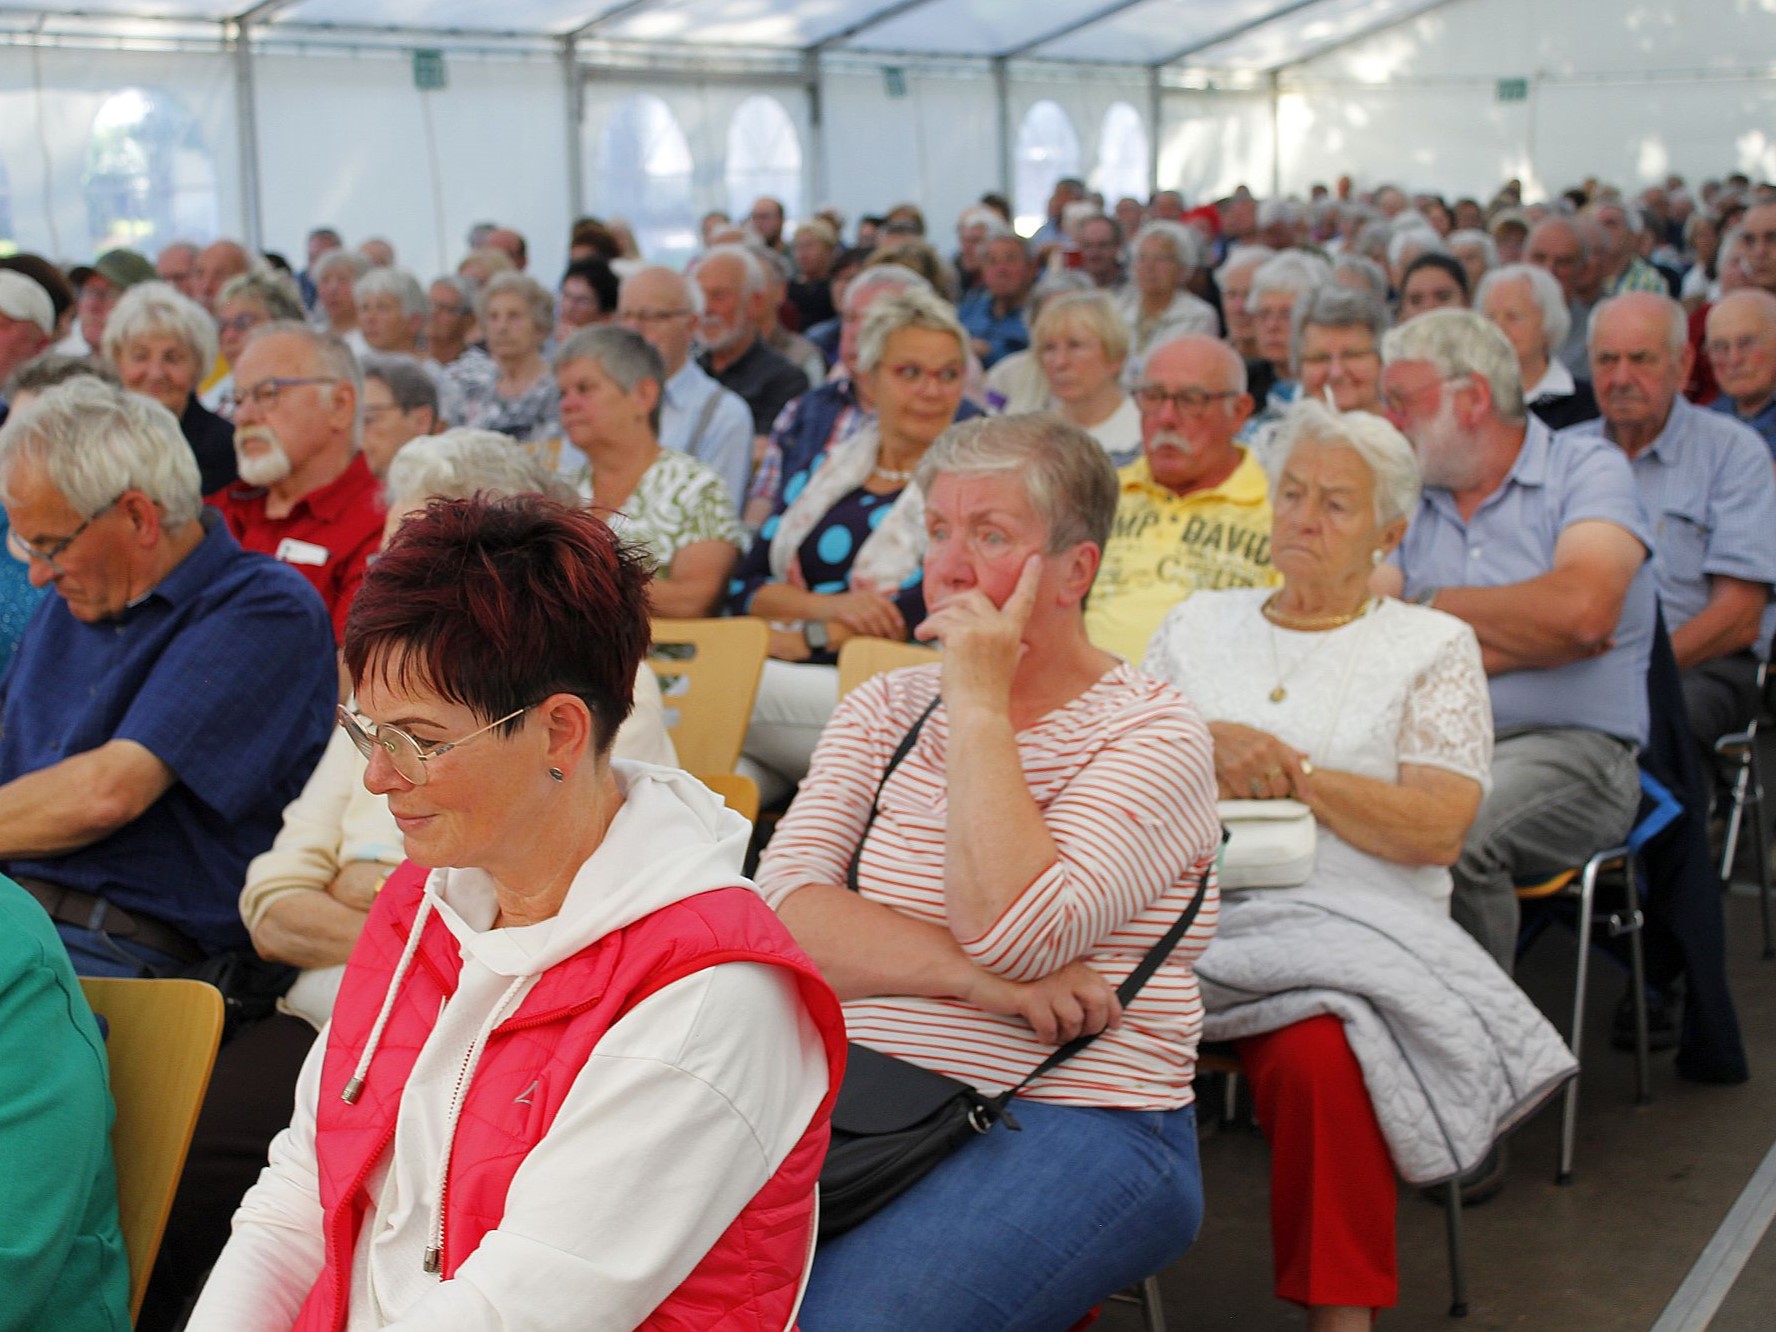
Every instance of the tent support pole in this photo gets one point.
(1002, 104)
(1155, 119)
(815, 160)
(247, 130)
(1276, 136)
(575, 107)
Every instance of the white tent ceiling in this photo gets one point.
(1217, 34)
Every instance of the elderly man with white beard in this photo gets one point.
(734, 292)
(306, 495)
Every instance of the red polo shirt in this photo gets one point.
(328, 537)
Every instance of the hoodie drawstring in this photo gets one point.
(355, 1086)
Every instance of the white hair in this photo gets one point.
(898, 276)
(396, 282)
(1417, 239)
(341, 258)
(1240, 257)
(1460, 343)
(1185, 247)
(911, 308)
(461, 463)
(95, 441)
(1544, 287)
(1381, 447)
(1471, 241)
(1293, 271)
(156, 308)
(752, 272)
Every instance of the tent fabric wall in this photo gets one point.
(1625, 93)
(344, 141)
(1211, 142)
(43, 140)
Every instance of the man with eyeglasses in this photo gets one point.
(697, 415)
(164, 705)
(1543, 548)
(1740, 342)
(1194, 509)
(1708, 487)
(306, 494)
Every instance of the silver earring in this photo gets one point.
(1377, 555)
(556, 774)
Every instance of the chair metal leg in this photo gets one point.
(1742, 786)
(1569, 1113)
(1153, 1315)
(1458, 1261)
(1643, 1087)
(1230, 1095)
(1760, 851)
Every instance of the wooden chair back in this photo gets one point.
(740, 793)
(709, 689)
(861, 658)
(161, 1041)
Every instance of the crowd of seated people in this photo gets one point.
(1371, 501)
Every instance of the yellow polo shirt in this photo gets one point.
(1164, 546)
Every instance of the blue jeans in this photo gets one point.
(95, 953)
(1019, 1231)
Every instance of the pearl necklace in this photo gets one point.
(889, 474)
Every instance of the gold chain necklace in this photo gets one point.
(1305, 624)
(1311, 622)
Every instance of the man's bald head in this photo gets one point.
(1741, 346)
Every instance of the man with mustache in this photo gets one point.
(1194, 511)
(306, 495)
(1708, 489)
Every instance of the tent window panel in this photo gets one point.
(1124, 167)
(764, 157)
(1047, 150)
(8, 237)
(644, 177)
(149, 178)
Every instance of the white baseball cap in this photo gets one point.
(21, 298)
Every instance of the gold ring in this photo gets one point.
(1307, 768)
(1256, 787)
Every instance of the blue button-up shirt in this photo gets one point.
(1510, 539)
(224, 672)
(1003, 334)
(1708, 487)
(720, 440)
(1763, 420)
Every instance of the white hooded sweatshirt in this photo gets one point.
(687, 1106)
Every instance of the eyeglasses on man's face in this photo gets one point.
(265, 394)
(1187, 401)
(407, 756)
(26, 553)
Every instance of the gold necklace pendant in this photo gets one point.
(1278, 694)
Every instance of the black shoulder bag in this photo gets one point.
(894, 1121)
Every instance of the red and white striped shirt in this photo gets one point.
(1124, 776)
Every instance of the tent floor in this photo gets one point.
(1651, 1186)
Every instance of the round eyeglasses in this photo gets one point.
(407, 756)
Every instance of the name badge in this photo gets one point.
(292, 551)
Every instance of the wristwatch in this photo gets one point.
(1426, 596)
(814, 634)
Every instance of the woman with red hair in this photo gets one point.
(577, 1075)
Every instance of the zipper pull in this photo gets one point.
(434, 1261)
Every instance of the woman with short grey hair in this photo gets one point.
(1530, 309)
(610, 382)
(246, 302)
(1156, 305)
(517, 314)
(1373, 716)
(162, 344)
(336, 275)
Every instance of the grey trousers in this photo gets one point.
(1558, 796)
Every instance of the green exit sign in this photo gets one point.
(428, 70)
(1513, 90)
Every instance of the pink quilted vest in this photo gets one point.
(748, 1280)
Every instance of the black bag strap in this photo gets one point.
(1131, 985)
(901, 750)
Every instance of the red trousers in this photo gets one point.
(1332, 1190)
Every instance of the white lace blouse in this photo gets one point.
(1402, 684)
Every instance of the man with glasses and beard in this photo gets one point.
(164, 705)
(1194, 509)
(306, 495)
(1543, 548)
